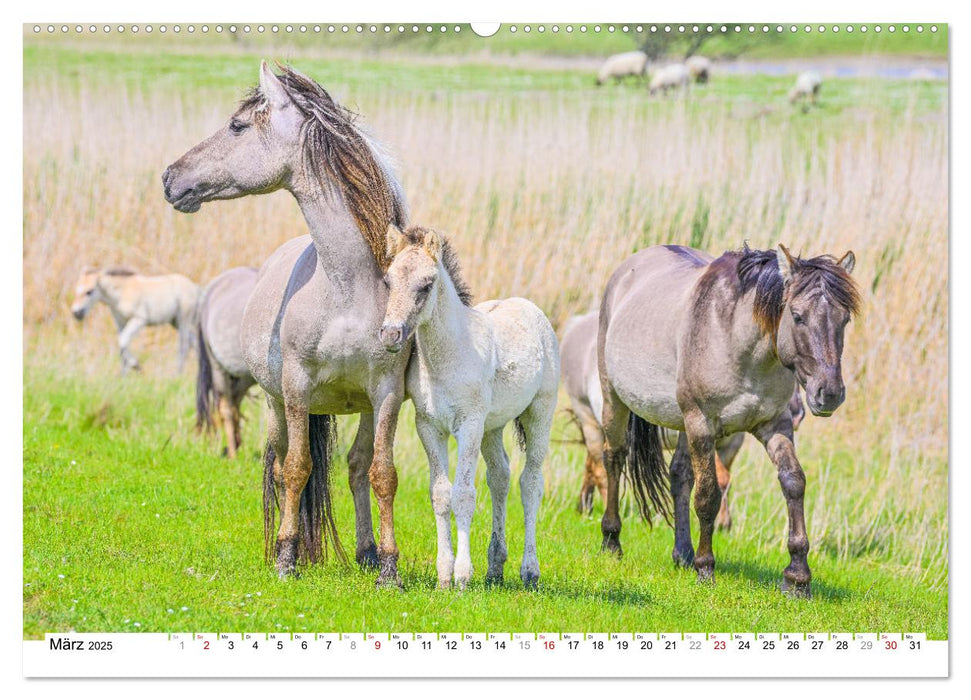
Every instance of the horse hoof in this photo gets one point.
(389, 583)
(683, 558)
(796, 589)
(611, 545)
(494, 580)
(725, 525)
(530, 580)
(705, 566)
(286, 558)
(368, 558)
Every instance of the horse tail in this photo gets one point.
(646, 469)
(317, 524)
(205, 393)
(520, 434)
(316, 516)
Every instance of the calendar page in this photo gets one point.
(580, 349)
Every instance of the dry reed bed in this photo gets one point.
(543, 195)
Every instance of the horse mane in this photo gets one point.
(759, 270)
(118, 271)
(337, 150)
(415, 235)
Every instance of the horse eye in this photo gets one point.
(797, 319)
(387, 281)
(89, 292)
(425, 288)
(237, 126)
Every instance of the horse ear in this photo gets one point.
(272, 88)
(848, 261)
(394, 240)
(433, 245)
(786, 264)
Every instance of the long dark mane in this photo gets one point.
(416, 236)
(336, 150)
(759, 270)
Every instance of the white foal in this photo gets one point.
(473, 370)
(137, 301)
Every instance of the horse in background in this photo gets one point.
(712, 347)
(136, 301)
(473, 370)
(309, 333)
(581, 380)
(223, 377)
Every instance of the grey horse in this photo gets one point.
(712, 347)
(309, 333)
(581, 380)
(223, 378)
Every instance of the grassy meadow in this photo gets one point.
(544, 183)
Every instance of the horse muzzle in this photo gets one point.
(187, 200)
(78, 313)
(824, 401)
(393, 336)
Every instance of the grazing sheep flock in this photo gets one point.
(696, 69)
(623, 65)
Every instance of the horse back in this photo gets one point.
(646, 309)
(221, 315)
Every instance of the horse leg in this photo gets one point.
(128, 360)
(615, 417)
(682, 481)
(725, 454)
(297, 466)
(497, 477)
(230, 419)
(707, 499)
(184, 343)
(435, 443)
(468, 436)
(359, 458)
(779, 445)
(384, 478)
(536, 422)
(594, 475)
(277, 442)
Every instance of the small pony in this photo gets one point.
(137, 301)
(472, 371)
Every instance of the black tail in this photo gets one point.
(646, 469)
(316, 518)
(205, 394)
(520, 434)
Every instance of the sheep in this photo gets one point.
(806, 87)
(670, 77)
(699, 68)
(621, 65)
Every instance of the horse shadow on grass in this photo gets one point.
(771, 579)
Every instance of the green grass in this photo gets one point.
(223, 78)
(132, 523)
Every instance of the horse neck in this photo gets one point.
(110, 290)
(753, 345)
(342, 253)
(445, 333)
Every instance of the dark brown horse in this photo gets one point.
(712, 347)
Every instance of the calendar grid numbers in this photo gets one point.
(524, 654)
